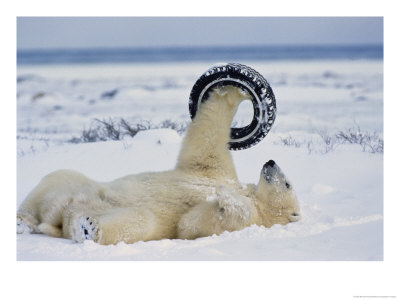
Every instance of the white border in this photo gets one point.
(202, 280)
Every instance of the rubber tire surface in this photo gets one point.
(263, 100)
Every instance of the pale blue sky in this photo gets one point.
(87, 32)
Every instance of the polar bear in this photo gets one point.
(200, 197)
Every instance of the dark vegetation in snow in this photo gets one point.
(370, 142)
(105, 130)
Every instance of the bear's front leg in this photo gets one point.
(205, 146)
(235, 210)
(126, 224)
(226, 212)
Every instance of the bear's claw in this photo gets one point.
(89, 229)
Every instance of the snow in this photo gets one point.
(340, 190)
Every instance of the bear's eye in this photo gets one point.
(287, 185)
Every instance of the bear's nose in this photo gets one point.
(271, 163)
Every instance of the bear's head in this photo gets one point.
(276, 200)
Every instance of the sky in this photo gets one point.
(107, 32)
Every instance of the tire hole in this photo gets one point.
(244, 114)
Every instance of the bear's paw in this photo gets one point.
(88, 229)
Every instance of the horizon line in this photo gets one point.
(166, 47)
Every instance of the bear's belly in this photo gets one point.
(169, 188)
(167, 195)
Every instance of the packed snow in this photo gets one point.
(339, 182)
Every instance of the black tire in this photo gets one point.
(263, 99)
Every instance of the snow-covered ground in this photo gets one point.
(339, 184)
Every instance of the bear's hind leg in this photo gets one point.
(50, 230)
(26, 223)
(125, 224)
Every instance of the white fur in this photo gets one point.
(200, 197)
